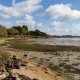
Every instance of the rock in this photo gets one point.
(2, 76)
(17, 77)
(35, 79)
(23, 64)
(77, 77)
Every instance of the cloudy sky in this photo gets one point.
(55, 17)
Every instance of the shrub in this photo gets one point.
(4, 56)
(3, 31)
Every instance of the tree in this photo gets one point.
(18, 28)
(23, 31)
(37, 32)
(13, 31)
(26, 28)
(3, 31)
(31, 33)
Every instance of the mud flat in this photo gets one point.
(64, 64)
(65, 61)
(33, 70)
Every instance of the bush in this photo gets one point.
(4, 56)
(3, 31)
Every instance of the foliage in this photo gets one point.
(37, 33)
(22, 31)
(13, 31)
(18, 28)
(31, 33)
(4, 56)
(3, 31)
(25, 27)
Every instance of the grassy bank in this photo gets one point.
(22, 44)
(4, 37)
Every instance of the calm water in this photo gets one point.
(75, 39)
(60, 41)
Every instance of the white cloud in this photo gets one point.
(19, 9)
(28, 20)
(40, 14)
(13, 3)
(39, 25)
(75, 29)
(6, 24)
(57, 24)
(61, 11)
(68, 30)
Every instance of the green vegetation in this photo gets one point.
(3, 31)
(17, 30)
(21, 31)
(64, 74)
(4, 37)
(37, 33)
(21, 44)
(4, 56)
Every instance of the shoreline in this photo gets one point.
(34, 70)
(32, 56)
(39, 72)
(45, 57)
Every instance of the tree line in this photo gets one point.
(20, 31)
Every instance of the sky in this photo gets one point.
(55, 17)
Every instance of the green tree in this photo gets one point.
(31, 33)
(19, 29)
(3, 31)
(13, 31)
(26, 28)
(23, 31)
(37, 32)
